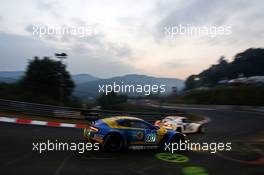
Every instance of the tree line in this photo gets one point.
(245, 64)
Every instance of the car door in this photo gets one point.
(134, 136)
(142, 133)
(187, 125)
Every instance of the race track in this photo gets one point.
(244, 129)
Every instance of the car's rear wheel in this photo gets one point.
(114, 142)
(177, 138)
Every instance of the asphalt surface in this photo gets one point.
(244, 129)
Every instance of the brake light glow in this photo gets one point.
(93, 129)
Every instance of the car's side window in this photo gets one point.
(139, 124)
(133, 124)
(124, 123)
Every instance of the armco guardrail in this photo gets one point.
(67, 112)
(38, 109)
(209, 107)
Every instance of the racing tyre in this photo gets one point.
(179, 129)
(201, 129)
(178, 139)
(114, 142)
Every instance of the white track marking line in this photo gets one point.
(6, 119)
(36, 122)
(67, 125)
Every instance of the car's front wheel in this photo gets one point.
(179, 129)
(114, 142)
(201, 129)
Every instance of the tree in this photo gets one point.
(216, 72)
(222, 61)
(248, 63)
(47, 79)
(191, 82)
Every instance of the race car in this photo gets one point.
(180, 124)
(124, 132)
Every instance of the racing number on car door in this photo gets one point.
(151, 136)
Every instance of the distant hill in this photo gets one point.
(10, 76)
(90, 89)
(83, 78)
(87, 85)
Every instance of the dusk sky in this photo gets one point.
(127, 36)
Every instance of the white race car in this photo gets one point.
(180, 124)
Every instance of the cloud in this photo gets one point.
(244, 18)
(204, 12)
(16, 50)
(101, 62)
(175, 65)
(120, 51)
(94, 44)
(51, 7)
(130, 36)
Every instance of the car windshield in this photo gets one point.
(166, 120)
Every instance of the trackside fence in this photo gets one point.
(73, 113)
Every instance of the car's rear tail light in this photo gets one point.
(93, 129)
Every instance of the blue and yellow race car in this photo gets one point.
(124, 132)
